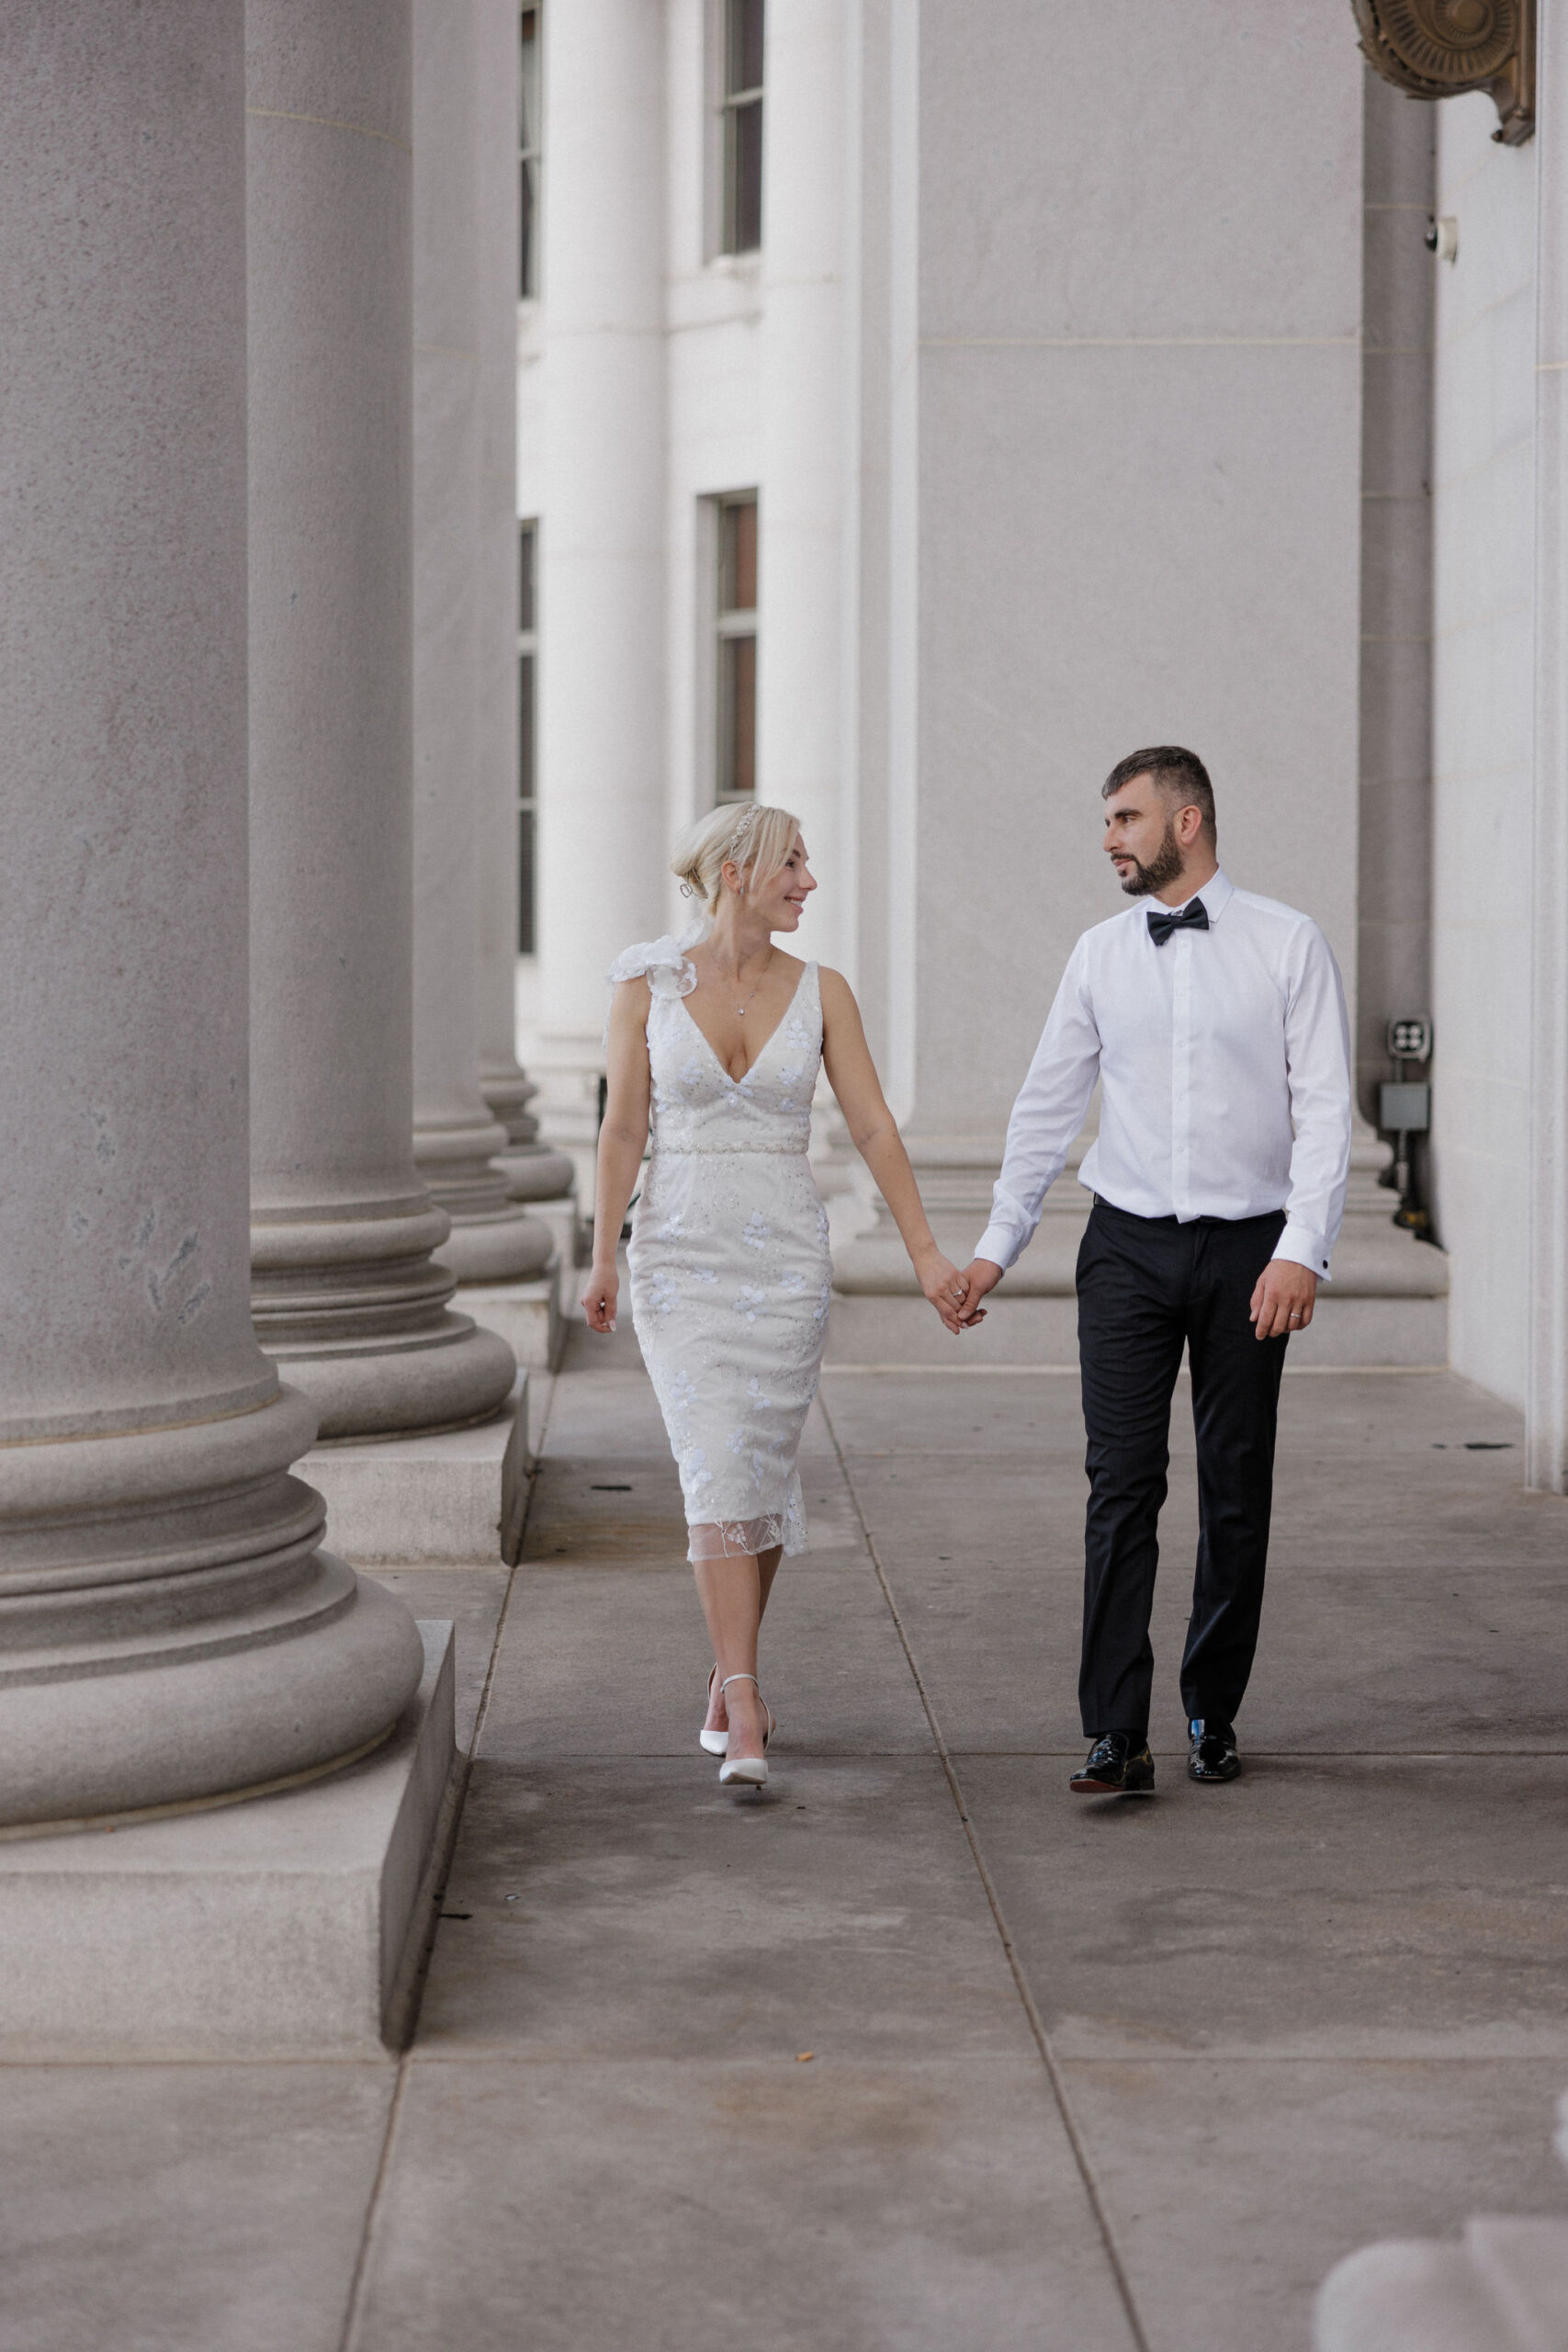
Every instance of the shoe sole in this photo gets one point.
(1213, 1780)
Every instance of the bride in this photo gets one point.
(714, 1043)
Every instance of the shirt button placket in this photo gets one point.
(1181, 1078)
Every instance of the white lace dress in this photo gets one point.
(730, 1263)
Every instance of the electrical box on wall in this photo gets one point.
(1405, 1110)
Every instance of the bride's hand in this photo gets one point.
(599, 1298)
(947, 1289)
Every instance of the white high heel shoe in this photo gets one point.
(714, 1742)
(745, 1771)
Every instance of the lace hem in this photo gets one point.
(741, 1539)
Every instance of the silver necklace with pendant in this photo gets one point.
(740, 1009)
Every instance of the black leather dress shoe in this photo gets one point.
(1211, 1754)
(1119, 1764)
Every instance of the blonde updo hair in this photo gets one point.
(757, 840)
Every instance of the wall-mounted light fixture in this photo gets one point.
(1405, 1110)
(1443, 235)
(1440, 49)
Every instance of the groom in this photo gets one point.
(1215, 1022)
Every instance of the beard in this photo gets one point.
(1163, 868)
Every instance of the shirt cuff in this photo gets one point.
(1000, 1244)
(1304, 1247)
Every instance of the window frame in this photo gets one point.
(728, 105)
(530, 156)
(726, 624)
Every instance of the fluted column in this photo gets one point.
(455, 1136)
(169, 1629)
(347, 1297)
(532, 1171)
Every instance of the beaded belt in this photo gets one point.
(726, 1150)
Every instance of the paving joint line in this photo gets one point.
(353, 2311)
(1036, 2023)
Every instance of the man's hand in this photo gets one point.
(1283, 1299)
(981, 1276)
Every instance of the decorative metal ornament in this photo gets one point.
(1440, 49)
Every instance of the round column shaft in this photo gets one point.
(169, 1629)
(532, 1171)
(604, 821)
(455, 1136)
(803, 591)
(347, 1297)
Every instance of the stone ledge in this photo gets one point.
(528, 1316)
(457, 1497)
(887, 1327)
(289, 1926)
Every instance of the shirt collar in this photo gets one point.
(1216, 894)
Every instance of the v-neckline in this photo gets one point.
(762, 1049)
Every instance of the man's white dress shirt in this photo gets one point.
(1224, 1058)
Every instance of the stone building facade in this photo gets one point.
(1096, 385)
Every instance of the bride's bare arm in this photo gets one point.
(623, 1139)
(851, 1074)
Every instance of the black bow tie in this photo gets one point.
(1191, 918)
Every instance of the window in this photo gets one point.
(736, 769)
(529, 150)
(527, 643)
(743, 112)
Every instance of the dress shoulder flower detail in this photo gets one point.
(661, 962)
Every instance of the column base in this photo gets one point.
(505, 1245)
(449, 1378)
(535, 1173)
(355, 1311)
(455, 1498)
(287, 1927)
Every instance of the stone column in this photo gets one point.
(802, 537)
(169, 1629)
(603, 823)
(347, 1298)
(531, 1170)
(1546, 1395)
(1394, 887)
(455, 1136)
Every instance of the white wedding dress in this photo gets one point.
(729, 1264)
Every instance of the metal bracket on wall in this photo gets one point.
(1440, 49)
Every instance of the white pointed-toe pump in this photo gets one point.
(745, 1771)
(714, 1742)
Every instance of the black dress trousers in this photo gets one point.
(1146, 1286)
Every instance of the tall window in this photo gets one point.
(529, 149)
(742, 108)
(527, 643)
(736, 769)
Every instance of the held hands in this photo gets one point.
(1282, 1301)
(982, 1275)
(947, 1289)
(600, 1294)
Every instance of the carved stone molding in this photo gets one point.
(1439, 49)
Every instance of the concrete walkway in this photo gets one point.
(915, 2053)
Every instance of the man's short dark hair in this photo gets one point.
(1179, 777)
